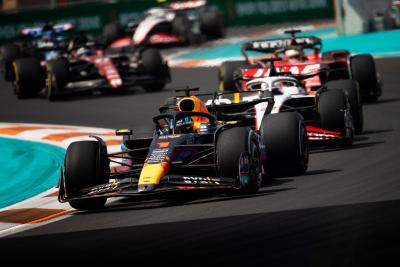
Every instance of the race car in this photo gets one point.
(183, 22)
(301, 55)
(38, 43)
(191, 149)
(89, 66)
(327, 114)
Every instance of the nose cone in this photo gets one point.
(151, 175)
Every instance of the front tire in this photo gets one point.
(286, 144)
(228, 157)
(57, 75)
(153, 65)
(332, 108)
(86, 165)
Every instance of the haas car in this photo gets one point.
(88, 66)
(183, 22)
(191, 150)
(327, 114)
(37, 44)
(302, 55)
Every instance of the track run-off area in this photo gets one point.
(343, 212)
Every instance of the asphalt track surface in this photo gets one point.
(344, 212)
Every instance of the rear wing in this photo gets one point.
(186, 5)
(224, 104)
(273, 45)
(38, 31)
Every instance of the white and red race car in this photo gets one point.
(327, 113)
(182, 22)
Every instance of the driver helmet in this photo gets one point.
(293, 54)
(47, 28)
(184, 125)
(83, 51)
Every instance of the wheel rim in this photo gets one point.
(303, 147)
(221, 79)
(49, 83)
(17, 79)
(255, 166)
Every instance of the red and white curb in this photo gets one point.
(45, 206)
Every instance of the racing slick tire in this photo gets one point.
(28, 75)
(181, 26)
(356, 109)
(363, 70)
(228, 156)
(286, 144)
(331, 106)
(112, 32)
(153, 65)
(212, 23)
(57, 74)
(8, 53)
(226, 75)
(86, 165)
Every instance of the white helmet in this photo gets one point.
(292, 54)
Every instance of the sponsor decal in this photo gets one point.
(163, 144)
(251, 8)
(201, 180)
(103, 188)
(157, 155)
(163, 137)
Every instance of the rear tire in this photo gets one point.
(286, 144)
(226, 78)
(228, 156)
(363, 70)
(112, 32)
(212, 23)
(182, 26)
(29, 77)
(153, 65)
(352, 90)
(8, 53)
(86, 165)
(332, 106)
(56, 78)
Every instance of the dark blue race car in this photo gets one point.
(36, 44)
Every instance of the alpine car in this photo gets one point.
(183, 22)
(301, 55)
(89, 66)
(38, 44)
(191, 149)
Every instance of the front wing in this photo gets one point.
(170, 183)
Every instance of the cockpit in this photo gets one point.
(276, 87)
